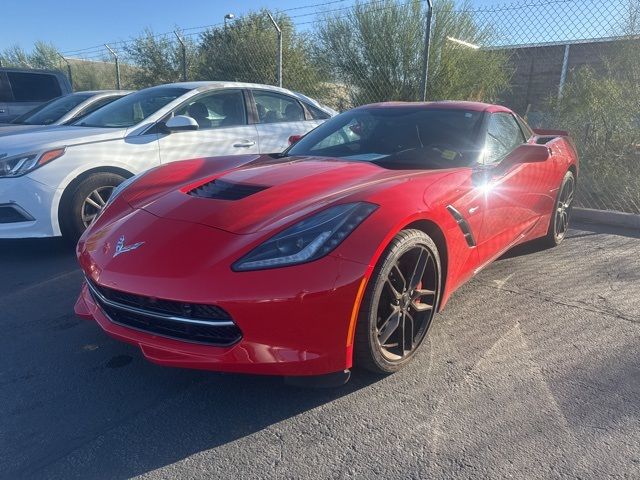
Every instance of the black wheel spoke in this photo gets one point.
(389, 326)
(398, 273)
(419, 269)
(408, 332)
(394, 291)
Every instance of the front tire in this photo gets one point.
(399, 303)
(85, 203)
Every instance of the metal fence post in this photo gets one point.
(115, 55)
(563, 73)
(184, 56)
(68, 69)
(279, 54)
(427, 45)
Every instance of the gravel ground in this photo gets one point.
(532, 371)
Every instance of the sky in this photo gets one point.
(73, 25)
(76, 24)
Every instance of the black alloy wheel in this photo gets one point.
(399, 304)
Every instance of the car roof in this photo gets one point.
(206, 85)
(103, 92)
(444, 105)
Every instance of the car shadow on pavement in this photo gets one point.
(207, 416)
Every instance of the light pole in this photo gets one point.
(427, 46)
(228, 16)
(183, 47)
(279, 52)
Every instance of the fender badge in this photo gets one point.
(122, 248)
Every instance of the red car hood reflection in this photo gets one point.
(287, 188)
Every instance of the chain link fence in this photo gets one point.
(562, 64)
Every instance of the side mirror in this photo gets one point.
(294, 139)
(180, 123)
(525, 153)
(530, 153)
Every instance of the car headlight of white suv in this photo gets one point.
(23, 163)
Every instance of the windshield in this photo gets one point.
(53, 110)
(397, 137)
(132, 109)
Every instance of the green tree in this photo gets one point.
(376, 49)
(246, 50)
(158, 59)
(43, 55)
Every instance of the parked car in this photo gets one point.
(21, 90)
(336, 252)
(55, 181)
(63, 110)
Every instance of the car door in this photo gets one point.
(223, 129)
(510, 188)
(280, 116)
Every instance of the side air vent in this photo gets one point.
(464, 226)
(221, 190)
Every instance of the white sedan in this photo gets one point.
(55, 181)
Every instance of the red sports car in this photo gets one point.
(338, 251)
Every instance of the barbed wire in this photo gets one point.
(320, 12)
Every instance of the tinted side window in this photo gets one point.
(503, 135)
(33, 87)
(274, 107)
(316, 113)
(92, 108)
(221, 108)
(5, 91)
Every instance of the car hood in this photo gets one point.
(34, 138)
(256, 194)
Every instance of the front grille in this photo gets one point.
(10, 213)
(191, 322)
(221, 190)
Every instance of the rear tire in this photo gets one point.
(85, 202)
(399, 303)
(559, 223)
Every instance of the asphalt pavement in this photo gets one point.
(532, 371)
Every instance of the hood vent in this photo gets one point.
(221, 190)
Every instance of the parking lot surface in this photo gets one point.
(532, 371)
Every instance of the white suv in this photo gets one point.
(55, 181)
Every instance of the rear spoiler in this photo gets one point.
(543, 132)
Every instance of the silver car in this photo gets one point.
(63, 110)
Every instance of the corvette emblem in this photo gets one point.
(122, 248)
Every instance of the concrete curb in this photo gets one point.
(605, 217)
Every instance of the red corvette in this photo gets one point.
(338, 251)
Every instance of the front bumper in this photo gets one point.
(295, 321)
(27, 206)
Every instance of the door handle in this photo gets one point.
(473, 210)
(244, 144)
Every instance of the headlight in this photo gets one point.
(24, 163)
(307, 240)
